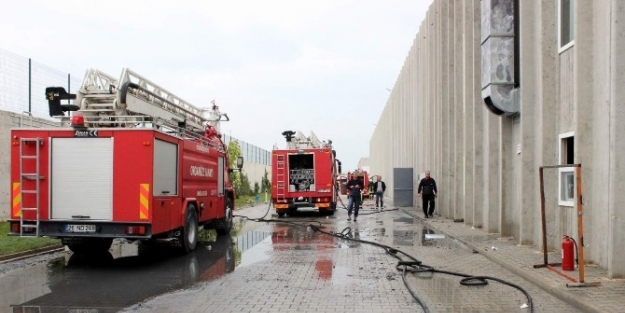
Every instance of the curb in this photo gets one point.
(30, 253)
(546, 286)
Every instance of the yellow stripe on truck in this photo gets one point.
(281, 206)
(144, 204)
(17, 200)
(322, 205)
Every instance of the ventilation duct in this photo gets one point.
(498, 78)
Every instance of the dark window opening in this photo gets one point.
(301, 172)
(569, 148)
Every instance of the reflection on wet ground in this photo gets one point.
(294, 268)
(132, 272)
(127, 274)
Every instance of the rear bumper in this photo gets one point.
(58, 229)
(288, 206)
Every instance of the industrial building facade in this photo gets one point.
(490, 91)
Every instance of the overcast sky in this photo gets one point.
(321, 66)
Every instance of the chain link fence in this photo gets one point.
(23, 83)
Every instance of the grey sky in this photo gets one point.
(321, 66)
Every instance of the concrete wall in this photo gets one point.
(9, 120)
(486, 165)
(5, 166)
(255, 173)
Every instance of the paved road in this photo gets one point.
(271, 267)
(299, 270)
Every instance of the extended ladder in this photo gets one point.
(30, 176)
(132, 99)
(300, 141)
(281, 177)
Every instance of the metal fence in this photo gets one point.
(250, 152)
(22, 89)
(23, 83)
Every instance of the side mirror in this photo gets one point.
(240, 163)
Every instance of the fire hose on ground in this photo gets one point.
(405, 265)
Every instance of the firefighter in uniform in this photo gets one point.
(427, 191)
(354, 186)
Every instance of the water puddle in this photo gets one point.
(131, 272)
(403, 237)
(404, 220)
(258, 253)
(127, 274)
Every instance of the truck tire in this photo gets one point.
(188, 235)
(224, 226)
(87, 245)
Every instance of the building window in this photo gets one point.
(567, 174)
(566, 25)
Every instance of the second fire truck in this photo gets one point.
(304, 174)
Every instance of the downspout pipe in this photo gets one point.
(499, 86)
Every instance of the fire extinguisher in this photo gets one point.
(568, 257)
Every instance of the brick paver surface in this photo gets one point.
(298, 270)
(609, 296)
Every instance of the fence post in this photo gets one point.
(30, 71)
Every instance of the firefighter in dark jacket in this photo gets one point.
(427, 191)
(354, 186)
(379, 187)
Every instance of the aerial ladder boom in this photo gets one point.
(297, 140)
(132, 100)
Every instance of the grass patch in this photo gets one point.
(16, 244)
(248, 201)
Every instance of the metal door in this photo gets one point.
(403, 187)
(82, 178)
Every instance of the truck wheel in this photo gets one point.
(188, 235)
(224, 226)
(332, 208)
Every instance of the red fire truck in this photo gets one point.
(133, 161)
(304, 174)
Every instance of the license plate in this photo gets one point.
(80, 228)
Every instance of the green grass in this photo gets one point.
(16, 244)
(248, 201)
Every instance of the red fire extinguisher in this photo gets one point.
(568, 257)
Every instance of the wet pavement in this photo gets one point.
(274, 267)
(298, 270)
(110, 281)
(608, 296)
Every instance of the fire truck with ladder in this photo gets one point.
(304, 174)
(130, 160)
